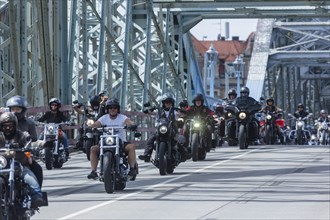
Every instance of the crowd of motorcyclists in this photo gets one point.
(190, 131)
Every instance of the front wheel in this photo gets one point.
(300, 137)
(87, 146)
(48, 158)
(3, 198)
(194, 146)
(162, 158)
(242, 137)
(109, 172)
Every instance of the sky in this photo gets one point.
(210, 28)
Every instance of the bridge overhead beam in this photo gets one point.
(247, 9)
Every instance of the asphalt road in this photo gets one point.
(262, 182)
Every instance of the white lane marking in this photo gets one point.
(152, 187)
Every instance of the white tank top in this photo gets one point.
(119, 121)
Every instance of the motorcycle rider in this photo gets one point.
(323, 118)
(114, 118)
(18, 105)
(102, 102)
(56, 116)
(271, 107)
(9, 133)
(167, 103)
(246, 100)
(199, 109)
(91, 111)
(300, 113)
(231, 96)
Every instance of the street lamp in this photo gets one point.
(238, 66)
(210, 60)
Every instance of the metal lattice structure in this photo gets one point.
(135, 50)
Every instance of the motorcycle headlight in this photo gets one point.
(89, 122)
(313, 137)
(242, 115)
(3, 162)
(229, 115)
(269, 117)
(50, 129)
(300, 124)
(197, 125)
(109, 141)
(163, 129)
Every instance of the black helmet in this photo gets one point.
(112, 103)
(184, 104)
(232, 92)
(168, 97)
(270, 99)
(300, 105)
(245, 90)
(54, 100)
(95, 101)
(102, 93)
(18, 101)
(198, 97)
(8, 117)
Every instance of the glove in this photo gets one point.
(133, 127)
(146, 111)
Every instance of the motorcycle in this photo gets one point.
(15, 201)
(300, 135)
(323, 136)
(169, 145)
(114, 167)
(199, 144)
(271, 124)
(53, 153)
(89, 136)
(242, 129)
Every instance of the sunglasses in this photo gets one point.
(53, 104)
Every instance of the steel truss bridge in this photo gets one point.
(138, 49)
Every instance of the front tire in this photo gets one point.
(242, 138)
(87, 146)
(3, 198)
(162, 159)
(194, 146)
(48, 158)
(109, 172)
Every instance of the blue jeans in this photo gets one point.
(65, 140)
(31, 180)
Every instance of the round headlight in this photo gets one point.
(197, 125)
(300, 124)
(242, 115)
(3, 162)
(163, 129)
(268, 117)
(229, 115)
(89, 122)
(51, 129)
(109, 141)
